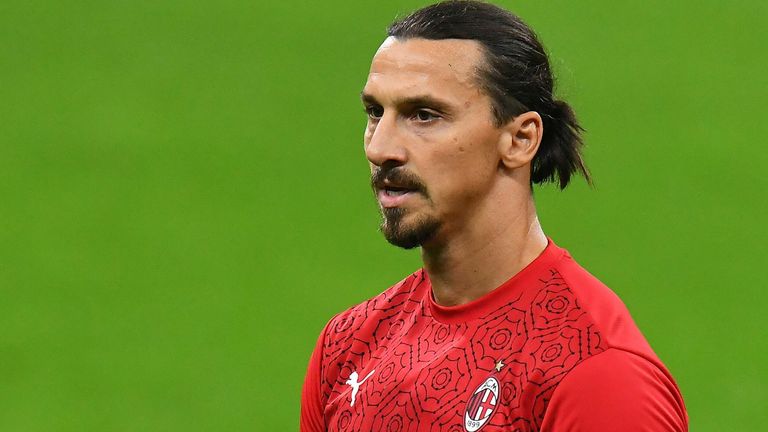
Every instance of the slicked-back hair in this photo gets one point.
(515, 74)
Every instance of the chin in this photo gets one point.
(408, 231)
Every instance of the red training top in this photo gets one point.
(552, 349)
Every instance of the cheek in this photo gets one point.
(473, 156)
(465, 172)
(463, 162)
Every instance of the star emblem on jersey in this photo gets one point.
(482, 404)
(500, 364)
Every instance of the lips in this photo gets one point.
(393, 197)
(391, 194)
(394, 187)
(393, 190)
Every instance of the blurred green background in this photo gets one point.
(185, 199)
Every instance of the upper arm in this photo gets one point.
(616, 391)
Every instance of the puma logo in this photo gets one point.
(352, 381)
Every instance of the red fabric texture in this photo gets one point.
(615, 391)
(552, 349)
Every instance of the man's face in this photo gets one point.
(430, 138)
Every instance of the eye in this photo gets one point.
(374, 111)
(424, 116)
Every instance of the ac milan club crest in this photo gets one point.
(482, 404)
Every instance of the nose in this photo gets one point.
(384, 142)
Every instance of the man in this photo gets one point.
(501, 330)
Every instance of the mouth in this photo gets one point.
(395, 191)
(393, 196)
(393, 187)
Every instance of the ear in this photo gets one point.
(520, 140)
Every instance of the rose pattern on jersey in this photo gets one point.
(555, 353)
(554, 305)
(503, 331)
(441, 383)
(400, 415)
(426, 370)
(431, 342)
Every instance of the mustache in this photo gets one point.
(397, 176)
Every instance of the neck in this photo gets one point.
(483, 255)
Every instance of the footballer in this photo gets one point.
(501, 329)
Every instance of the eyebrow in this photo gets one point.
(412, 101)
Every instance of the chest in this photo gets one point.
(417, 374)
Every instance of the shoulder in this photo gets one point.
(403, 295)
(616, 390)
(606, 311)
(358, 330)
(351, 337)
(589, 289)
(621, 385)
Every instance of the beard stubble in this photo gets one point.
(397, 232)
(407, 235)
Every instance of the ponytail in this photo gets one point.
(559, 154)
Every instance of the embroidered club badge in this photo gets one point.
(481, 405)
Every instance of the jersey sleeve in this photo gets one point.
(616, 391)
(311, 419)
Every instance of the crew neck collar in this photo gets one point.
(509, 290)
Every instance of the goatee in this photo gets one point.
(395, 230)
(407, 236)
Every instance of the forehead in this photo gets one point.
(446, 67)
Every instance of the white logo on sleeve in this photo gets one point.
(352, 381)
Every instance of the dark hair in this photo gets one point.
(516, 75)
